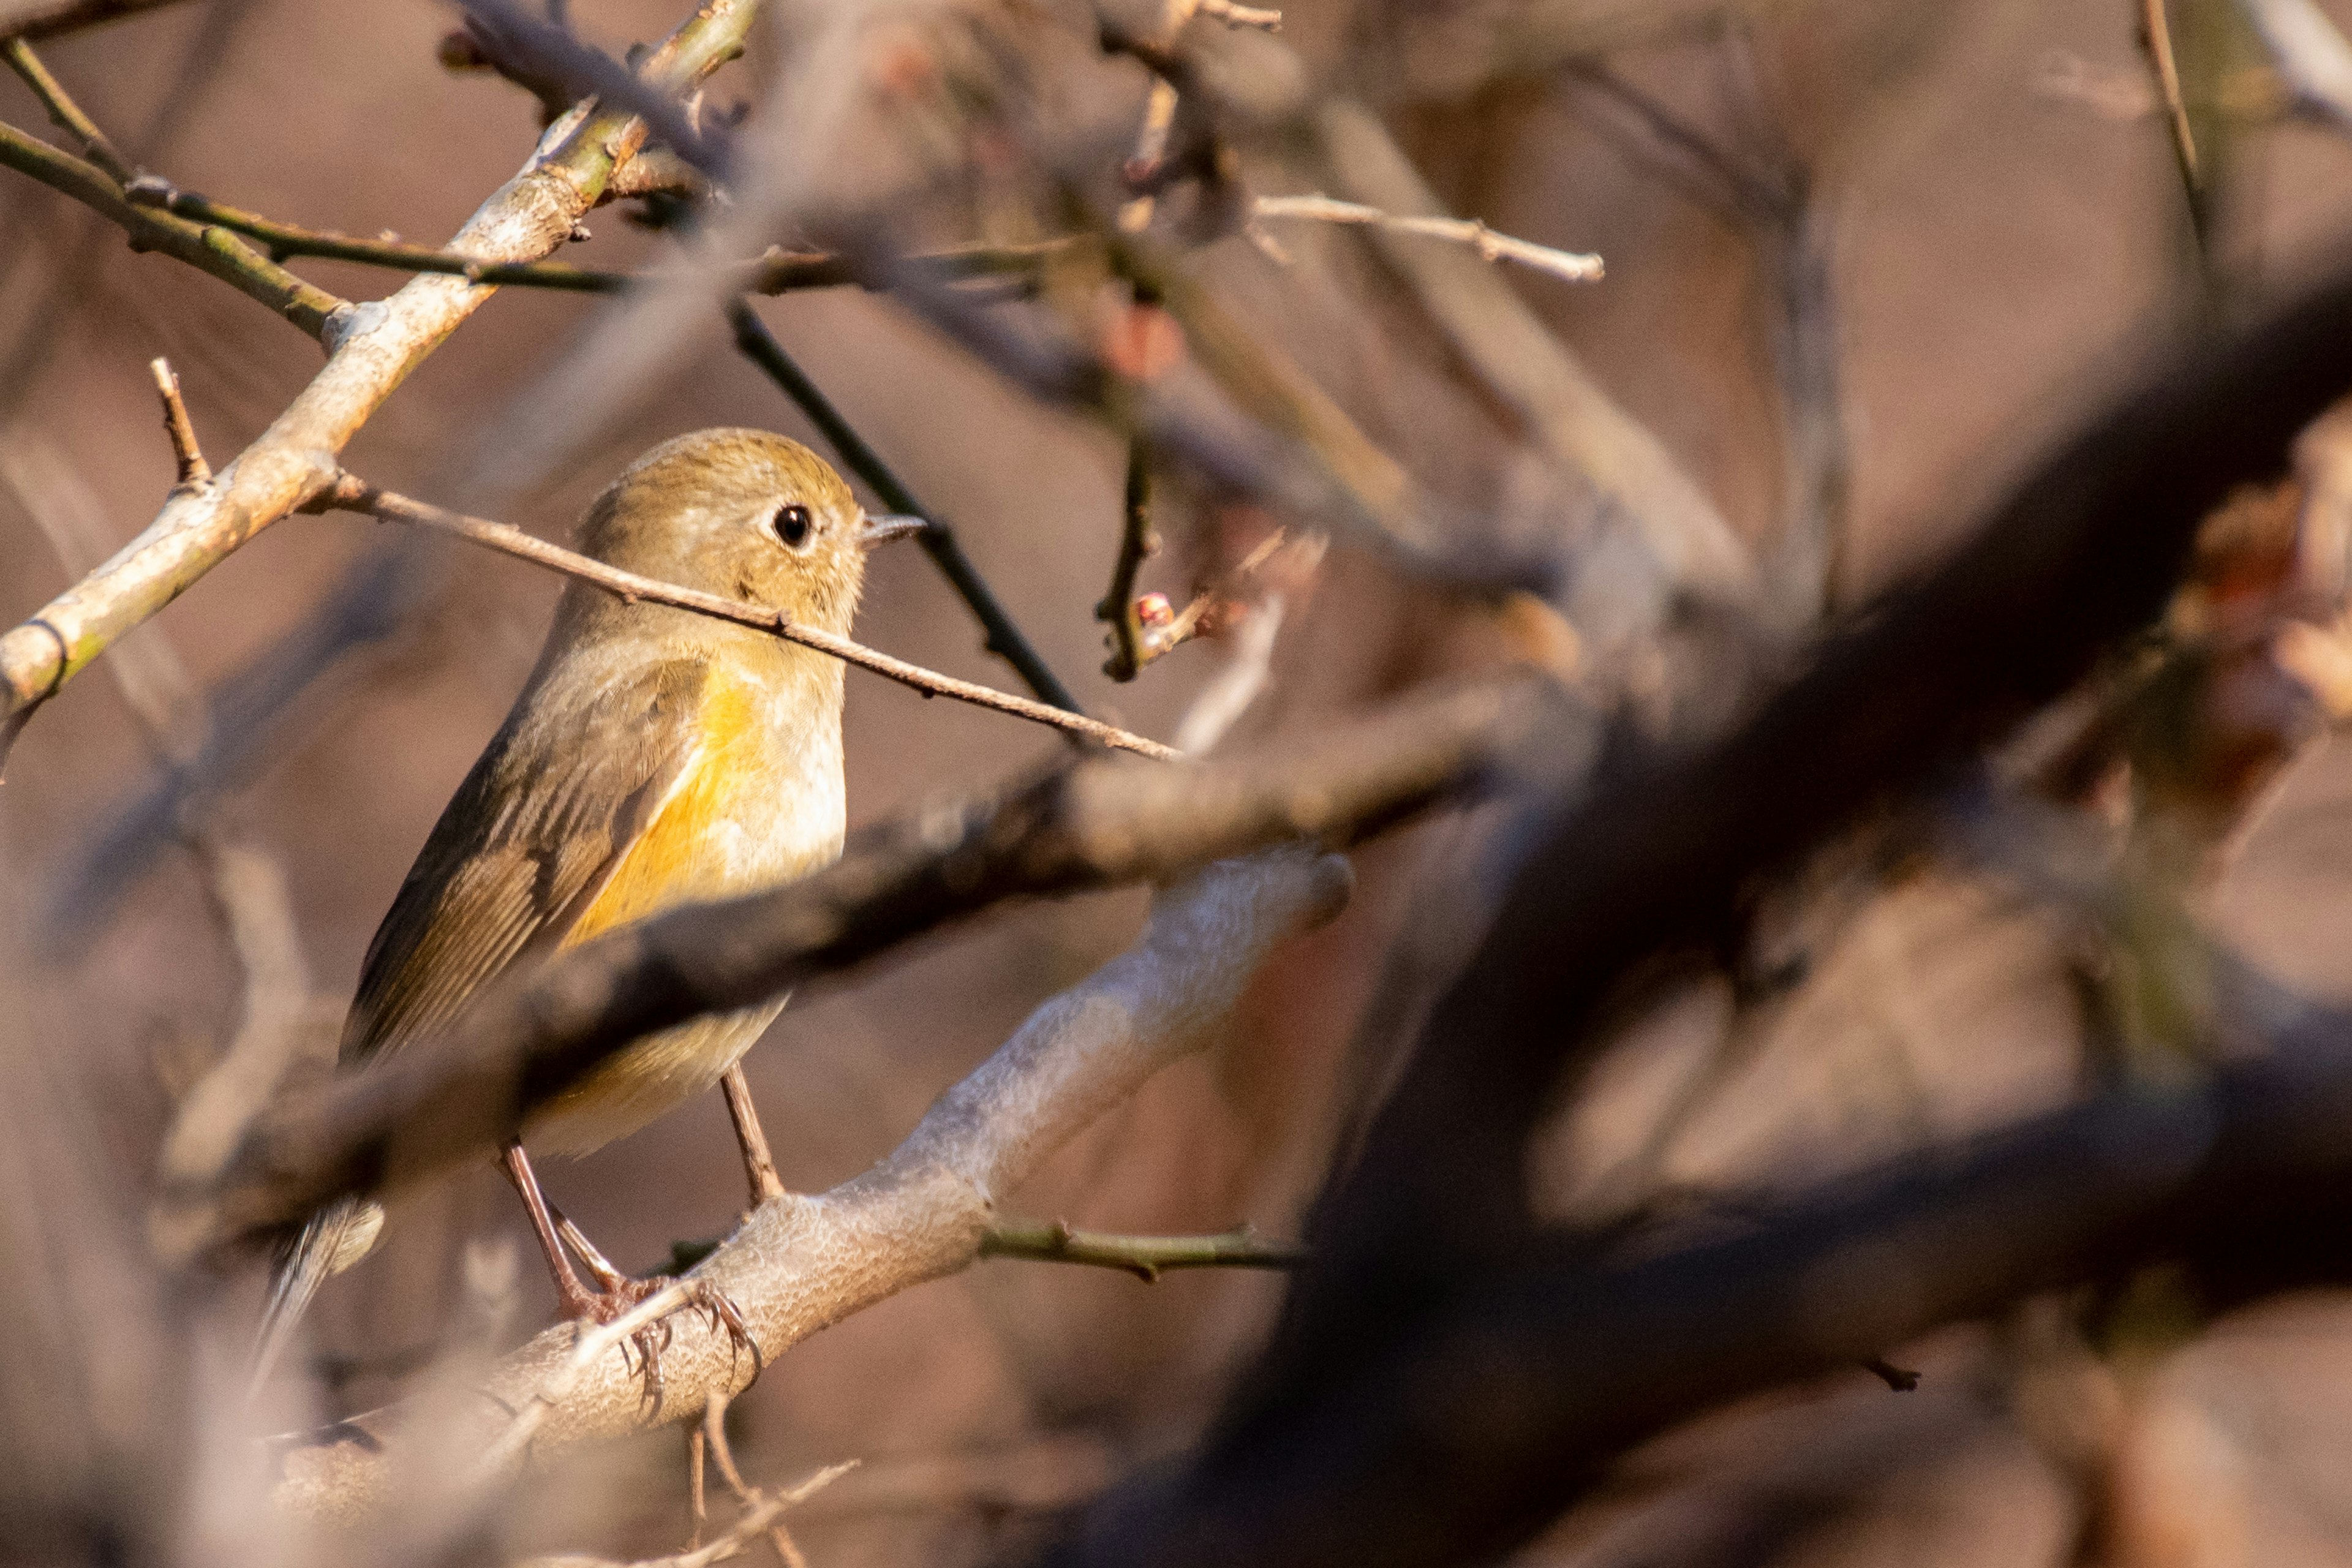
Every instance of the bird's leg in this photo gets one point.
(578, 1300)
(616, 1292)
(759, 1165)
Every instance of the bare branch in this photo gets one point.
(1137, 543)
(185, 452)
(777, 271)
(40, 19)
(801, 1263)
(1561, 404)
(760, 1518)
(64, 112)
(2310, 53)
(446, 1100)
(2155, 37)
(1576, 267)
(1145, 1256)
(356, 495)
(371, 351)
(1003, 636)
(215, 251)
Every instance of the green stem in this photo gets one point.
(1145, 1256)
(210, 250)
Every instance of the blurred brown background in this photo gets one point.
(2005, 218)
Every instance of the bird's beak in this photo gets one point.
(881, 528)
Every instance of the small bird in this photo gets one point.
(656, 757)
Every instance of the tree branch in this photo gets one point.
(801, 1263)
(447, 1101)
(1003, 636)
(56, 18)
(353, 494)
(1145, 1256)
(777, 271)
(213, 250)
(371, 351)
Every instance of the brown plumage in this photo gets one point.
(654, 758)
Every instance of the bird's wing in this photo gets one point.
(537, 829)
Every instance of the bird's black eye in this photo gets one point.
(791, 524)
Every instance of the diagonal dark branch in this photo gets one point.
(56, 18)
(1412, 1243)
(1003, 635)
(1476, 1426)
(1100, 825)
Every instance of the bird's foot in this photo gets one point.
(619, 1294)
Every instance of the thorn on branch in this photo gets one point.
(194, 472)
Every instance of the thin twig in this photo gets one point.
(589, 1346)
(1002, 636)
(1145, 1256)
(776, 272)
(757, 1520)
(64, 112)
(351, 494)
(213, 250)
(1234, 15)
(713, 1434)
(2311, 54)
(73, 16)
(1137, 543)
(371, 352)
(2155, 34)
(193, 469)
(802, 1263)
(1577, 267)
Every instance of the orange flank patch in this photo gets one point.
(671, 861)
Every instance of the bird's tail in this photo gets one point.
(334, 1239)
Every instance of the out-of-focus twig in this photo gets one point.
(1101, 824)
(1001, 635)
(41, 19)
(1137, 543)
(760, 1518)
(2309, 52)
(777, 272)
(2155, 37)
(350, 493)
(1145, 1256)
(1576, 267)
(1524, 364)
(800, 1263)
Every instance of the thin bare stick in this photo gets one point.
(1145, 1256)
(193, 469)
(1234, 15)
(351, 494)
(72, 16)
(1002, 635)
(759, 1519)
(1576, 267)
(2310, 53)
(506, 1451)
(64, 112)
(1137, 543)
(2155, 28)
(713, 1433)
(372, 350)
(804, 1262)
(777, 271)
